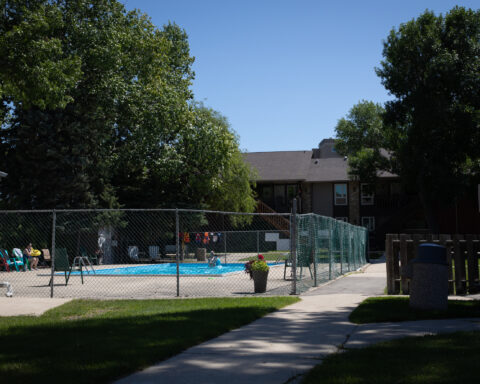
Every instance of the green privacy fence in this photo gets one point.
(326, 248)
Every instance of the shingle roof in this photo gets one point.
(280, 166)
(289, 166)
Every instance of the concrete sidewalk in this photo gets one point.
(279, 346)
(28, 306)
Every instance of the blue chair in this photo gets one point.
(18, 256)
(12, 262)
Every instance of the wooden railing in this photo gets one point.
(462, 257)
(279, 222)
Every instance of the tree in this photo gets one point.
(202, 167)
(96, 111)
(360, 136)
(431, 129)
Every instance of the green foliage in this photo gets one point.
(260, 265)
(432, 67)
(96, 111)
(430, 131)
(360, 136)
(34, 66)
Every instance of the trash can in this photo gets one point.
(201, 254)
(429, 284)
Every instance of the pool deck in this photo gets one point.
(36, 284)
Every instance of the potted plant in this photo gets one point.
(258, 271)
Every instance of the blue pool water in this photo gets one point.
(170, 269)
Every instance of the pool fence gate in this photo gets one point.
(158, 253)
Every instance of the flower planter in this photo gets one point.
(260, 281)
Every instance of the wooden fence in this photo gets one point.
(462, 257)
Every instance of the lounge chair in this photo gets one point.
(17, 253)
(10, 262)
(5, 262)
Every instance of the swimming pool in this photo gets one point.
(170, 269)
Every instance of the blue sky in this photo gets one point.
(284, 71)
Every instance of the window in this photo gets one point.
(340, 194)
(345, 219)
(292, 191)
(369, 223)
(267, 193)
(367, 194)
(395, 189)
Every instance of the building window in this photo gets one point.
(267, 193)
(340, 194)
(341, 218)
(292, 191)
(368, 222)
(395, 189)
(367, 194)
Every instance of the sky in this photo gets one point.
(285, 71)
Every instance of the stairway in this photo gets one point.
(279, 222)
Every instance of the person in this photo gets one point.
(27, 255)
(212, 260)
(99, 254)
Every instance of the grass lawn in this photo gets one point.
(384, 309)
(451, 358)
(94, 341)
(270, 256)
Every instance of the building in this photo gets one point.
(319, 180)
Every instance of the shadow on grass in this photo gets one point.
(391, 309)
(432, 359)
(68, 348)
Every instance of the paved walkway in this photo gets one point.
(280, 347)
(18, 306)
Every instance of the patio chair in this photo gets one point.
(154, 252)
(62, 264)
(93, 259)
(18, 255)
(5, 263)
(302, 262)
(133, 253)
(47, 259)
(10, 262)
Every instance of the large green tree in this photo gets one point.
(360, 136)
(431, 128)
(96, 111)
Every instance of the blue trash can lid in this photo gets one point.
(429, 253)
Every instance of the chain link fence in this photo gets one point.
(326, 249)
(170, 252)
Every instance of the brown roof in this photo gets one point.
(289, 166)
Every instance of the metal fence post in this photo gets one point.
(52, 274)
(342, 233)
(330, 251)
(177, 246)
(293, 245)
(313, 244)
(258, 243)
(225, 246)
